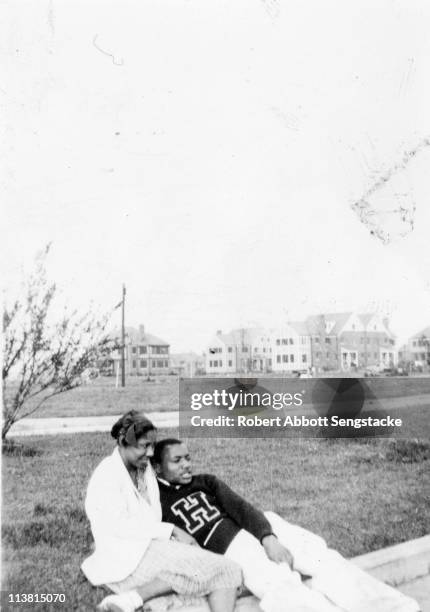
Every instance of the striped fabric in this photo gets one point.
(189, 570)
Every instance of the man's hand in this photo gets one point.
(182, 536)
(276, 551)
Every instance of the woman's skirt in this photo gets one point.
(189, 570)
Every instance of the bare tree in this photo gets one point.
(44, 355)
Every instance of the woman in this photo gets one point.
(136, 555)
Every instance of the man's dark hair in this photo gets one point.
(130, 427)
(160, 448)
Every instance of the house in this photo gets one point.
(417, 350)
(241, 350)
(342, 341)
(291, 348)
(145, 354)
(187, 364)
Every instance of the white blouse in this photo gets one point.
(122, 521)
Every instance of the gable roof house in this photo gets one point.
(350, 340)
(146, 354)
(417, 349)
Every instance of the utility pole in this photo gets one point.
(123, 339)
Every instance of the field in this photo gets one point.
(100, 397)
(360, 495)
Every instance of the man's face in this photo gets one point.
(176, 465)
(138, 456)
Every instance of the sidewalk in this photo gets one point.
(64, 425)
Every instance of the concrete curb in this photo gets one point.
(398, 564)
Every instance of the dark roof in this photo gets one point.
(314, 322)
(134, 336)
(424, 332)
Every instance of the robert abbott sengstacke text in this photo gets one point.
(293, 421)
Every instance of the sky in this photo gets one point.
(234, 163)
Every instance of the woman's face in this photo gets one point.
(138, 456)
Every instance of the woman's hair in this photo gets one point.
(160, 449)
(130, 427)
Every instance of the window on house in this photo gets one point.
(134, 363)
(291, 341)
(143, 363)
(304, 358)
(284, 341)
(142, 350)
(133, 350)
(230, 363)
(317, 340)
(292, 358)
(244, 349)
(278, 358)
(264, 350)
(220, 363)
(328, 340)
(230, 349)
(285, 358)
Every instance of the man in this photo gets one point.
(274, 555)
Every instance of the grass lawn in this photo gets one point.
(358, 494)
(100, 397)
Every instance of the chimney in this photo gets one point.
(141, 331)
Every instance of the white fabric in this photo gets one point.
(129, 601)
(279, 588)
(122, 521)
(336, 584)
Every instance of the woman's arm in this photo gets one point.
(111, 516)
